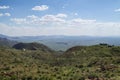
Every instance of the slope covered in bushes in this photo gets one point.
(98, 62)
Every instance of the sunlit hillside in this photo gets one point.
(99, 62)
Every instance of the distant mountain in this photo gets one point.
(6, 42)
(65, 42)
(32, 46)
(62, 43)
(3, 36)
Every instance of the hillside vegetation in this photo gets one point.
(32, 46)
(97, 62)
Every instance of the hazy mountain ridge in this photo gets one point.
(6, 42)
(61, 42)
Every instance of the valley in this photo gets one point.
(38, 62)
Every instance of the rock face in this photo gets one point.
(32, 46)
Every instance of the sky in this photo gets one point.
(60, 17)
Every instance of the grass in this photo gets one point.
(98, 62)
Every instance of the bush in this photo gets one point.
(6, 68)
(92, 76)
(81, 78)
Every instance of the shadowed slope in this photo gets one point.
(32, 46)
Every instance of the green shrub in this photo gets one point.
(92, 76)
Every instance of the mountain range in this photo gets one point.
(62, 43)
(27, 60)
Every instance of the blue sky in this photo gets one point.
(60, 17)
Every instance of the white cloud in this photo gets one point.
(40, 8)
(5, 14)
(117, 10)
(19, 20)
(1, 14)
(54, 25)
(4, 7)
(82, 21)
(32, 16)
(61, 15)
(75, 14)
(52, 18)
(46, 19)
(95, 29)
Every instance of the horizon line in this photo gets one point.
(55, 35)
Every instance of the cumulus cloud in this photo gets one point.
(83, 21)
(5, 14)
(117, 10)
(59, 25)
(4, 7)
(19, 20)
(32, 16)
(61, 15)
(40, 8)
(52, 18)
(35, 20)
(1, 14)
